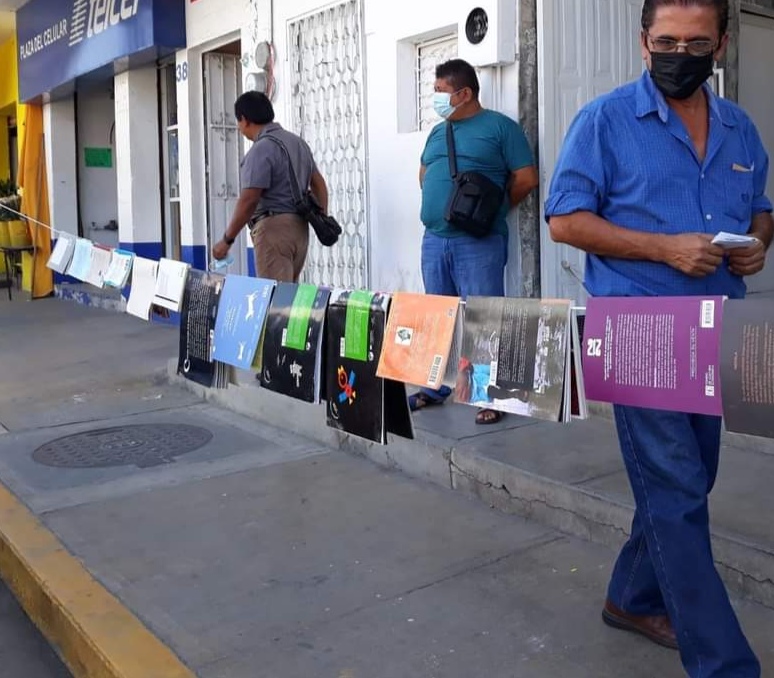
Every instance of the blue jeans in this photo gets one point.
(462, 267)
(666, 567)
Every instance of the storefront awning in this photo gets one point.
(60, 41)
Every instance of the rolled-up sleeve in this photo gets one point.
(578, 183)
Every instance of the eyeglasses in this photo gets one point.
(693, 47)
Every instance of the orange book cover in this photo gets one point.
(420, 328)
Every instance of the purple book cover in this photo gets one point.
(656, 352)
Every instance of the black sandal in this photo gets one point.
(419, 401)
(486, 416)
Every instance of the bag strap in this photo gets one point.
(294, 187)
(451, 150)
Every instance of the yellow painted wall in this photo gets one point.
(5, 171)
(9, 105)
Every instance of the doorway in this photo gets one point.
(222, 71)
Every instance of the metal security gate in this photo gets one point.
(222, 86)
(756, 54)
(328, 92)
(586, 48)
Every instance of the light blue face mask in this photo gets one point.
(442, 103)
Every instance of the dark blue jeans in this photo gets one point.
(666, 567)
(461, 267)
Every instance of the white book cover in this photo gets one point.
(120, 268)
(144, 272)
(63, 253)
(100, 262)
(80, 265)
(170, 284)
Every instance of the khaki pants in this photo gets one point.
(281, 242)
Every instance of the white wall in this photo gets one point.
(97, 186)
(393, 157)
(59, 127)
(209, 24)
(137, 155)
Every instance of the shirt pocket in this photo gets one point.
(739, 195)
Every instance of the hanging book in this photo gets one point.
(63, 253)
(120, 267)
(517, 357)
(656, 352)
(100, 263)
(198, 313)
(578, 404)
(242, 310)
(292, 349)
(170, 284)
(356, 396)
(747, 366)
(80, 264)
(418, 338)
(143, 287)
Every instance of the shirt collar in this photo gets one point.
(270, 127)
(651, 100)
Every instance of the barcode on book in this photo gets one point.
(493, 373)
(435, 371)
(284, 336)
(342, 347)
(707, 314)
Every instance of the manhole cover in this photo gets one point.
(141, 445)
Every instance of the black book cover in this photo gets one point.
(355, 328)
(197, 326)
(397, 414)
(292, 348)
(747, 366)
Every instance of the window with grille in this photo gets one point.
(430, 53)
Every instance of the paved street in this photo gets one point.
(23, 652)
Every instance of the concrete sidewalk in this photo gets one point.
(266, 551)
(566, 476)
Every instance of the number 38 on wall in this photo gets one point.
(181, 72)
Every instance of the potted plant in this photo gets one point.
(13, 230)
(6, 190)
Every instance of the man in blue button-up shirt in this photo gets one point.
(647, 176)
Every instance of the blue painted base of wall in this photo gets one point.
(88, 295)
(71, 289)
(148, 250)
(196, 255)
(251, 262)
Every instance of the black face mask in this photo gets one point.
(678, 75)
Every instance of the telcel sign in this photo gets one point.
(101, 15)
(59, 42)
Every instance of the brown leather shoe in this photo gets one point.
(658, 629)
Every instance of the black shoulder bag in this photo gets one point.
(475, 200)
(325, 226)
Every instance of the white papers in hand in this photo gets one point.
(729, 241)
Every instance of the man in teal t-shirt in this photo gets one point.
(453, 262)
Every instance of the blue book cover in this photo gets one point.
(242, 310)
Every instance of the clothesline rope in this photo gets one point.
(28, 218)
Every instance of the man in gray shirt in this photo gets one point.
(266, 201)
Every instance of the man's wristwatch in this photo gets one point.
(227, 240)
